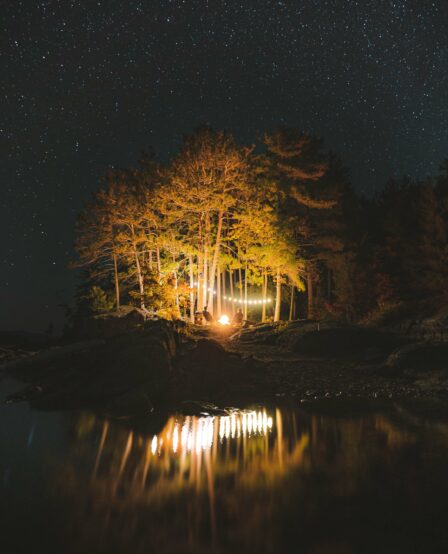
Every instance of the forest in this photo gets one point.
(274, 228)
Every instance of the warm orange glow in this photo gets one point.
(224, 320)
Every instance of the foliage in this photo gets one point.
(98, 300)
(280, 216)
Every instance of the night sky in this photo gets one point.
(87, 85)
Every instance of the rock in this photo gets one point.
(131, 403)
(295, 330)
(422, 356)
(373, 353)
(141, 361)
(110, 324)
(347, 342)
(264, 333)
(197, 408)
(167, 332)
(210, 352)
(50, 355)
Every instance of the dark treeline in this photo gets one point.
(275, 228)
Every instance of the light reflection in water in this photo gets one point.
(199, 433)
(251, 481)
(192, 445)
(193, 453)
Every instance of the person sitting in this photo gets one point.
(207, 315)
(238, 318)
(198, 318)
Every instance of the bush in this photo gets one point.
(98, 300)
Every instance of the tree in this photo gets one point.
(202, 186)
(296, 161)
(96, 239)
(411, 257)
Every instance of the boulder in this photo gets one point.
(110, 324)
(133, 367)
(419, 357)
(209, 352)
(347, 342)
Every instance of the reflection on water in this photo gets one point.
(193, 451)
(263, 480)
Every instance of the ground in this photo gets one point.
(336, 363)
(157, 363)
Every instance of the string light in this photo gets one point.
(208, 288)
(251, 302)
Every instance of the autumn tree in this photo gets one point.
(202, 187)
(96, 240)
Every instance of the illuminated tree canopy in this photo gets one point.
(226, 226)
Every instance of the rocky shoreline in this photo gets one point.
(333, 364)
(133, 370)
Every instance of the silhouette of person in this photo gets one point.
(238, 317)
(207, 315)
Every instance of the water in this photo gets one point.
(328, 478)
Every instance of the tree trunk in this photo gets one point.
(140, 279)
(309, 290)
(218, 291)
(206, 254)
(204, 279)
(264, 296)
(278, 297)
(291, 305)
(200, 259)
(139, 270)
(117, 284)
(159, 265)
(232, 303)
(240, 274)
(245, 292)
(200, 284)
(190, 267)
(224, 291)
(214, 265)
(175, 282)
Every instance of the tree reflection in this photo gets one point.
(250, 481)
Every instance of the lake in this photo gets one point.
(328, 477)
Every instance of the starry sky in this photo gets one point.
(88, 84)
